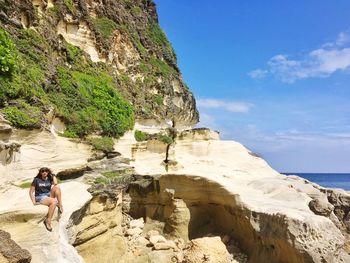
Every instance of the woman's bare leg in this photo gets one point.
(56, 193)
(51, 203)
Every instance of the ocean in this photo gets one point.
(333, 180)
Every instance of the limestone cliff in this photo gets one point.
(72, 58)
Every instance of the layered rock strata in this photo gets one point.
(236, 192)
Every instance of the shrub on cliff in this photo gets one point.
(23, 115)
(8, 53)
(104, 144)
(89, 102)
(105, 26)
(165, 138)
(141, 136)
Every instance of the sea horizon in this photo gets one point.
(328, 180)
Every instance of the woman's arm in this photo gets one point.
(31, 194)
(54, 180)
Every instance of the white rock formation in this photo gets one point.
(211, 185)
(41, 148)
(276, 207)
(79, 34)
(24, 222)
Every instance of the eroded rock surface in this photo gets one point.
(10, 252)
(25, 223)
(41, 148)
(229, 190)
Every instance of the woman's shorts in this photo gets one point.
(40, 197)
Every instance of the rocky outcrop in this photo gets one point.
(95, 230)
(207, 249)
(25, 223)
(223, 184)
(103, 231)
(10, 252)
(198, 134)
(8, 149)
(214, 210)
(340, 200)
(5, 129)
(41, 148)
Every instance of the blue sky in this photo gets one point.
(273, 75)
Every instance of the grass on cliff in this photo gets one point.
(23, 89)
(84, 94)
(88, 102)
(104, 144)
(141, 136)
(8, 53)
(27, 76)
(70, 5)
(107, 177)
(105, 26)
(23, 115)
(25, 185)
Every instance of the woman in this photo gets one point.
(47, 192)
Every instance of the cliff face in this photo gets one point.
(95, 64)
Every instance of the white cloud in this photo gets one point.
(343, 38)
(258, 74)
(322, 62)
(232, 106)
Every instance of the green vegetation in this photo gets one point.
(158, 99)
(25, 185)
(69, 134)
(105, 26)
(89, 102)
(143, 67)
(104, 144)
(73, 53)
(70, 5)
(107, 177)
(111, 174)
(165, 138)
(159, 38)
(8, 53)
(141, 136)
(161, 67)
(86, 97)
(136, 11)
(102, 180)
(37, 75)
(26, 80)
(23, 115)
(157, 35)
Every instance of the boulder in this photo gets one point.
(169, 244)
(157, 239)
(137, 223)
(151, 233)
(134, 231)
(10, 251)
(321, 207)
(206, 249)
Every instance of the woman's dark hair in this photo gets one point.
(45, 169)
